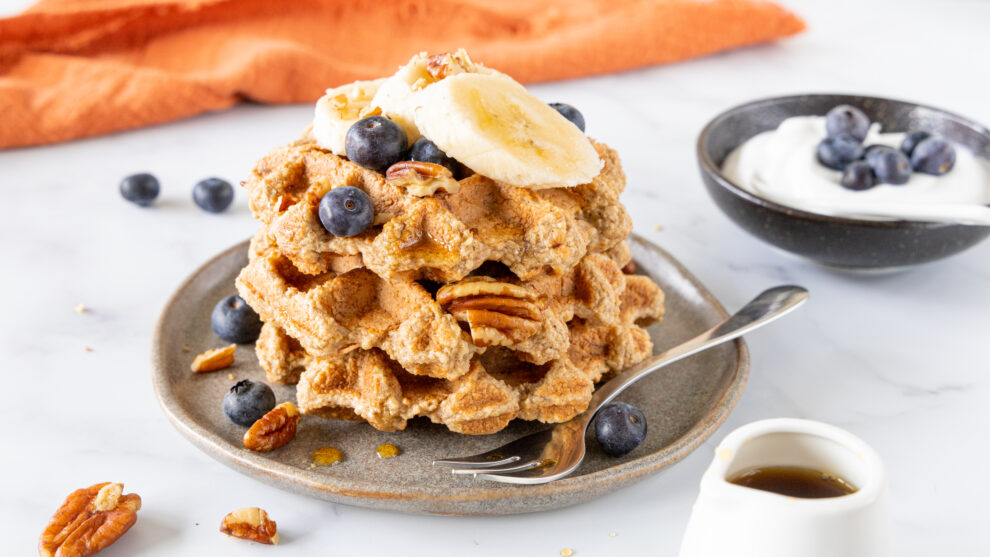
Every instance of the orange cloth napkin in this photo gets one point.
(76, 68)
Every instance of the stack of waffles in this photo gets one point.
(470, 301)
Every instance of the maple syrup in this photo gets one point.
(794, 481)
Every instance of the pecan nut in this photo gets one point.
(215, 359)
(89, 521)
(250, 523)
(448, 64)
(274, 429)
(422, 179)
(497, 313)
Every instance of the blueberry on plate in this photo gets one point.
(848, 120)
(912, 140)
(234, 321)
(858, 176)
(424, 150)
(247, 401)
(890, 165)
(346, 211)
(140, 189)
(837, 152)
(620, 427)
(571, 113)
(376, 143)
(213, 194)
(934, 156)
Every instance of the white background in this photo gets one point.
(899, 359)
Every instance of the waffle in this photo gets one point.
(500, 384)
(443, 237)
(430, 329)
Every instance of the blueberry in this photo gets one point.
(889, 165)
(424, 150)
(213, 194)
(912, 140)
(620, 428)
(246, 402)
(571, 113)
(234, 321)
(346, 211)
(376, 142)
(140, 189)
(858, 176)
(837, 152)
(847, 120)
(934, 156)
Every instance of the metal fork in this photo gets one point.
(551, 454)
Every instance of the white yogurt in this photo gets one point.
(781, 165)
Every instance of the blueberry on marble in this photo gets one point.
(890, 165)
(234, 321)
(376, 143)
(620, 427)
(571, 113)
(213, 194)
(424, 150)
(912, 140)
(346, 211)
(848, 120)
(140, 189)
(858, 176)
(933, 155)
(247, 401)
(837, 152)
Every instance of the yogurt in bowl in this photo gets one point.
(780, 165)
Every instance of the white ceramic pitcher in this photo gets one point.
(730, 520)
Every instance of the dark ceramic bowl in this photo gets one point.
(837, 241)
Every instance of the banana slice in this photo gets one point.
(499, 130)
(395, 96)
(338, 109)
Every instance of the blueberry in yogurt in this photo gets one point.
(890, 165)
(934, 156)
(912, 139)
(858, 176)
(837, 152)
(846, 119)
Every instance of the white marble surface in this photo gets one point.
(899, 359)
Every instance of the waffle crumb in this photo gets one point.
(566, 552)
(80, 309)
(89, 349)
(611, 534)
(185, 348)
(230, 376)
(657, 227)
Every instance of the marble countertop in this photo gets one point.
(898, 359)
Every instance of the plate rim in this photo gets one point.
(356, 492)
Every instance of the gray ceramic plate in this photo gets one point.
(684, 405)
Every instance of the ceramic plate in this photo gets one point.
(684, 404)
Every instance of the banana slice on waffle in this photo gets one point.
(494, 126)
(338, 109)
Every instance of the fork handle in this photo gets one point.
(768, 306)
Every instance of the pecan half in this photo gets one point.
(274, 429)
(250, 523)
(89, 521)
(498, 313)
(422, 179)
(215, 359)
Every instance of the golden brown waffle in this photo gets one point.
(442, 237)
(499, 385)
(426, 332)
